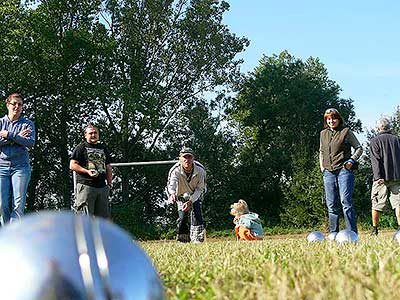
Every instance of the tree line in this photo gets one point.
(156, 75)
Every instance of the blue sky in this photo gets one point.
(357, 41)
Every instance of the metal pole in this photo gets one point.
(144, 163)
(74, 182)
(128, 164)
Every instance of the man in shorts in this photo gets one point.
(385, 161)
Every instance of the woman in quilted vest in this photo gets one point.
(337, 163)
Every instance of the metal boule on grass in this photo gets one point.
(396, 236)
(315, 236)
(346, 236)
(61, 255)
(331, 236)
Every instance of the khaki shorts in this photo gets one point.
(381, 192)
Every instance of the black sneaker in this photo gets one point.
(374, 231)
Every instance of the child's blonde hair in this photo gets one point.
(239, 207)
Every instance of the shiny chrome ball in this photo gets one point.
(396, 237)
(331, 236)
(346, 236)
(61, 255)
(315, 236)
(186, 196)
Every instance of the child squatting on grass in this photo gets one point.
(248, 225)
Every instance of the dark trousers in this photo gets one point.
(92, 200)
(196, 218)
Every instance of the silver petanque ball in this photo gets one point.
(331, 236)
(94, 172)
(396, 237)
(346, 236)
(315, 236)
(61, 255)
(186, 196)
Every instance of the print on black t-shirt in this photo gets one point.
(96, 159)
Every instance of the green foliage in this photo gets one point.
(304, 202)
(278, 114)
(154, 76)
(127, 215)
(132, 67)
(396, 121)
(388, 220)
(166, 55)
(214, 148)
(362, 189)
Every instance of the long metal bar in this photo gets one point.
(128, 164)
(144, 163)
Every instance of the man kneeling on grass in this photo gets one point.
(248, 225)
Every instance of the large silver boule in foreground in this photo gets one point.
(61, 255)
(315, 236)
(346, 236)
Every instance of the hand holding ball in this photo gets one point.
(94, 173)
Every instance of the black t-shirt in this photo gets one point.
(92, 157)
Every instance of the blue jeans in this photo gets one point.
(14, 182)
(339, 185)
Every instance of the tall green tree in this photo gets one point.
(167, 55)
(396, 121)
(56, 52)
(139, 69)
(215, 148)
(304, 203)
(64, 53)
(278, 114)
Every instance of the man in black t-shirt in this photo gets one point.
(91, 161)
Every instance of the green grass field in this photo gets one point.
(285, 267)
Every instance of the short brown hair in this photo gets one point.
(333, 113)
(89, 125)
(14, 95)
